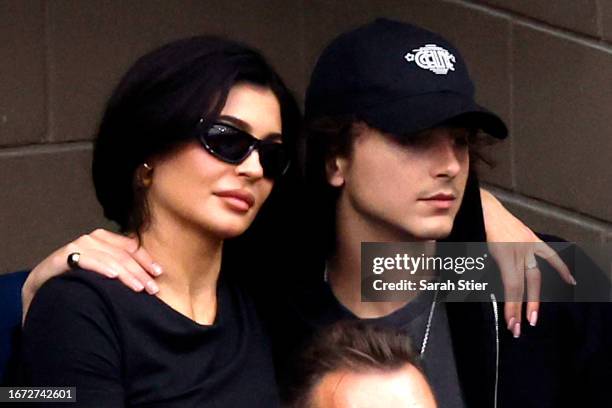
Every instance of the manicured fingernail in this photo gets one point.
(573, 280)
(533, 318)
(516, 331)
(112, 273)
(152, 288)
(157, 269)
(137, 285)
(511, 323)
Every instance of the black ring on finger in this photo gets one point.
(73, 260)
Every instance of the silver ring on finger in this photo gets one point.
(531, 262)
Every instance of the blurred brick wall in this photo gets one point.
(544, 66)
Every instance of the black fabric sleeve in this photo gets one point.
(69, 339)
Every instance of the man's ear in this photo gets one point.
(335, 168)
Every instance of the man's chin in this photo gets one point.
(436, 232)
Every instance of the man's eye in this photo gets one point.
(462, 140)
(463, 137)
(420, 139)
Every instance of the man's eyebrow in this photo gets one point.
(242, 125)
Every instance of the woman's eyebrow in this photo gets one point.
(274, 137)
(242, 125)
(239, 123)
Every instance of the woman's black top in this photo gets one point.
(121, 348)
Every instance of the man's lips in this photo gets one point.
(239, 199)
(440, 197)
(440, 200)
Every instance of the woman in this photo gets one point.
(187, 152)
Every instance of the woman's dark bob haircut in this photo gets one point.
(157, 106)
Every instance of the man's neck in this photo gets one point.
(344, 266)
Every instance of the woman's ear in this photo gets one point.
(144, 175)
(335, 170)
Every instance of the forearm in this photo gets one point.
(109, 254)
(493, 212)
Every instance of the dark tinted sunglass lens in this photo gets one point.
(229, 143)
(274, 159)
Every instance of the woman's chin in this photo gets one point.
(231, 229)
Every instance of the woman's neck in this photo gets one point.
(191, 260)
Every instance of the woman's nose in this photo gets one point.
(251, 166)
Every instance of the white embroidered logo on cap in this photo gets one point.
(434, 58)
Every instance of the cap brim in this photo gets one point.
(410, 115)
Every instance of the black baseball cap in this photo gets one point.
(397, 77)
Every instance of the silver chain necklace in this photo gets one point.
(428, 326)
(429, 317)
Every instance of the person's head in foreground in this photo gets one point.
(394, 130)
(193, 136)
(352, 364)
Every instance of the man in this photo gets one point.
(356, 365)
(390, 159)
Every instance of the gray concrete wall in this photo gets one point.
(544, 65)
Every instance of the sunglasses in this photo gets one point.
(232, 145)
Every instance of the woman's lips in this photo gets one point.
(239, 200)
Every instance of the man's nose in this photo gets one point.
(448, 157)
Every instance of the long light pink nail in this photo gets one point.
(152, 288)
(137, 285)
(516, 331)
(511, 323)
(533, 318)
(157, 269)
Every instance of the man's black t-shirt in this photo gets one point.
(121, 348)
(318, 306)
